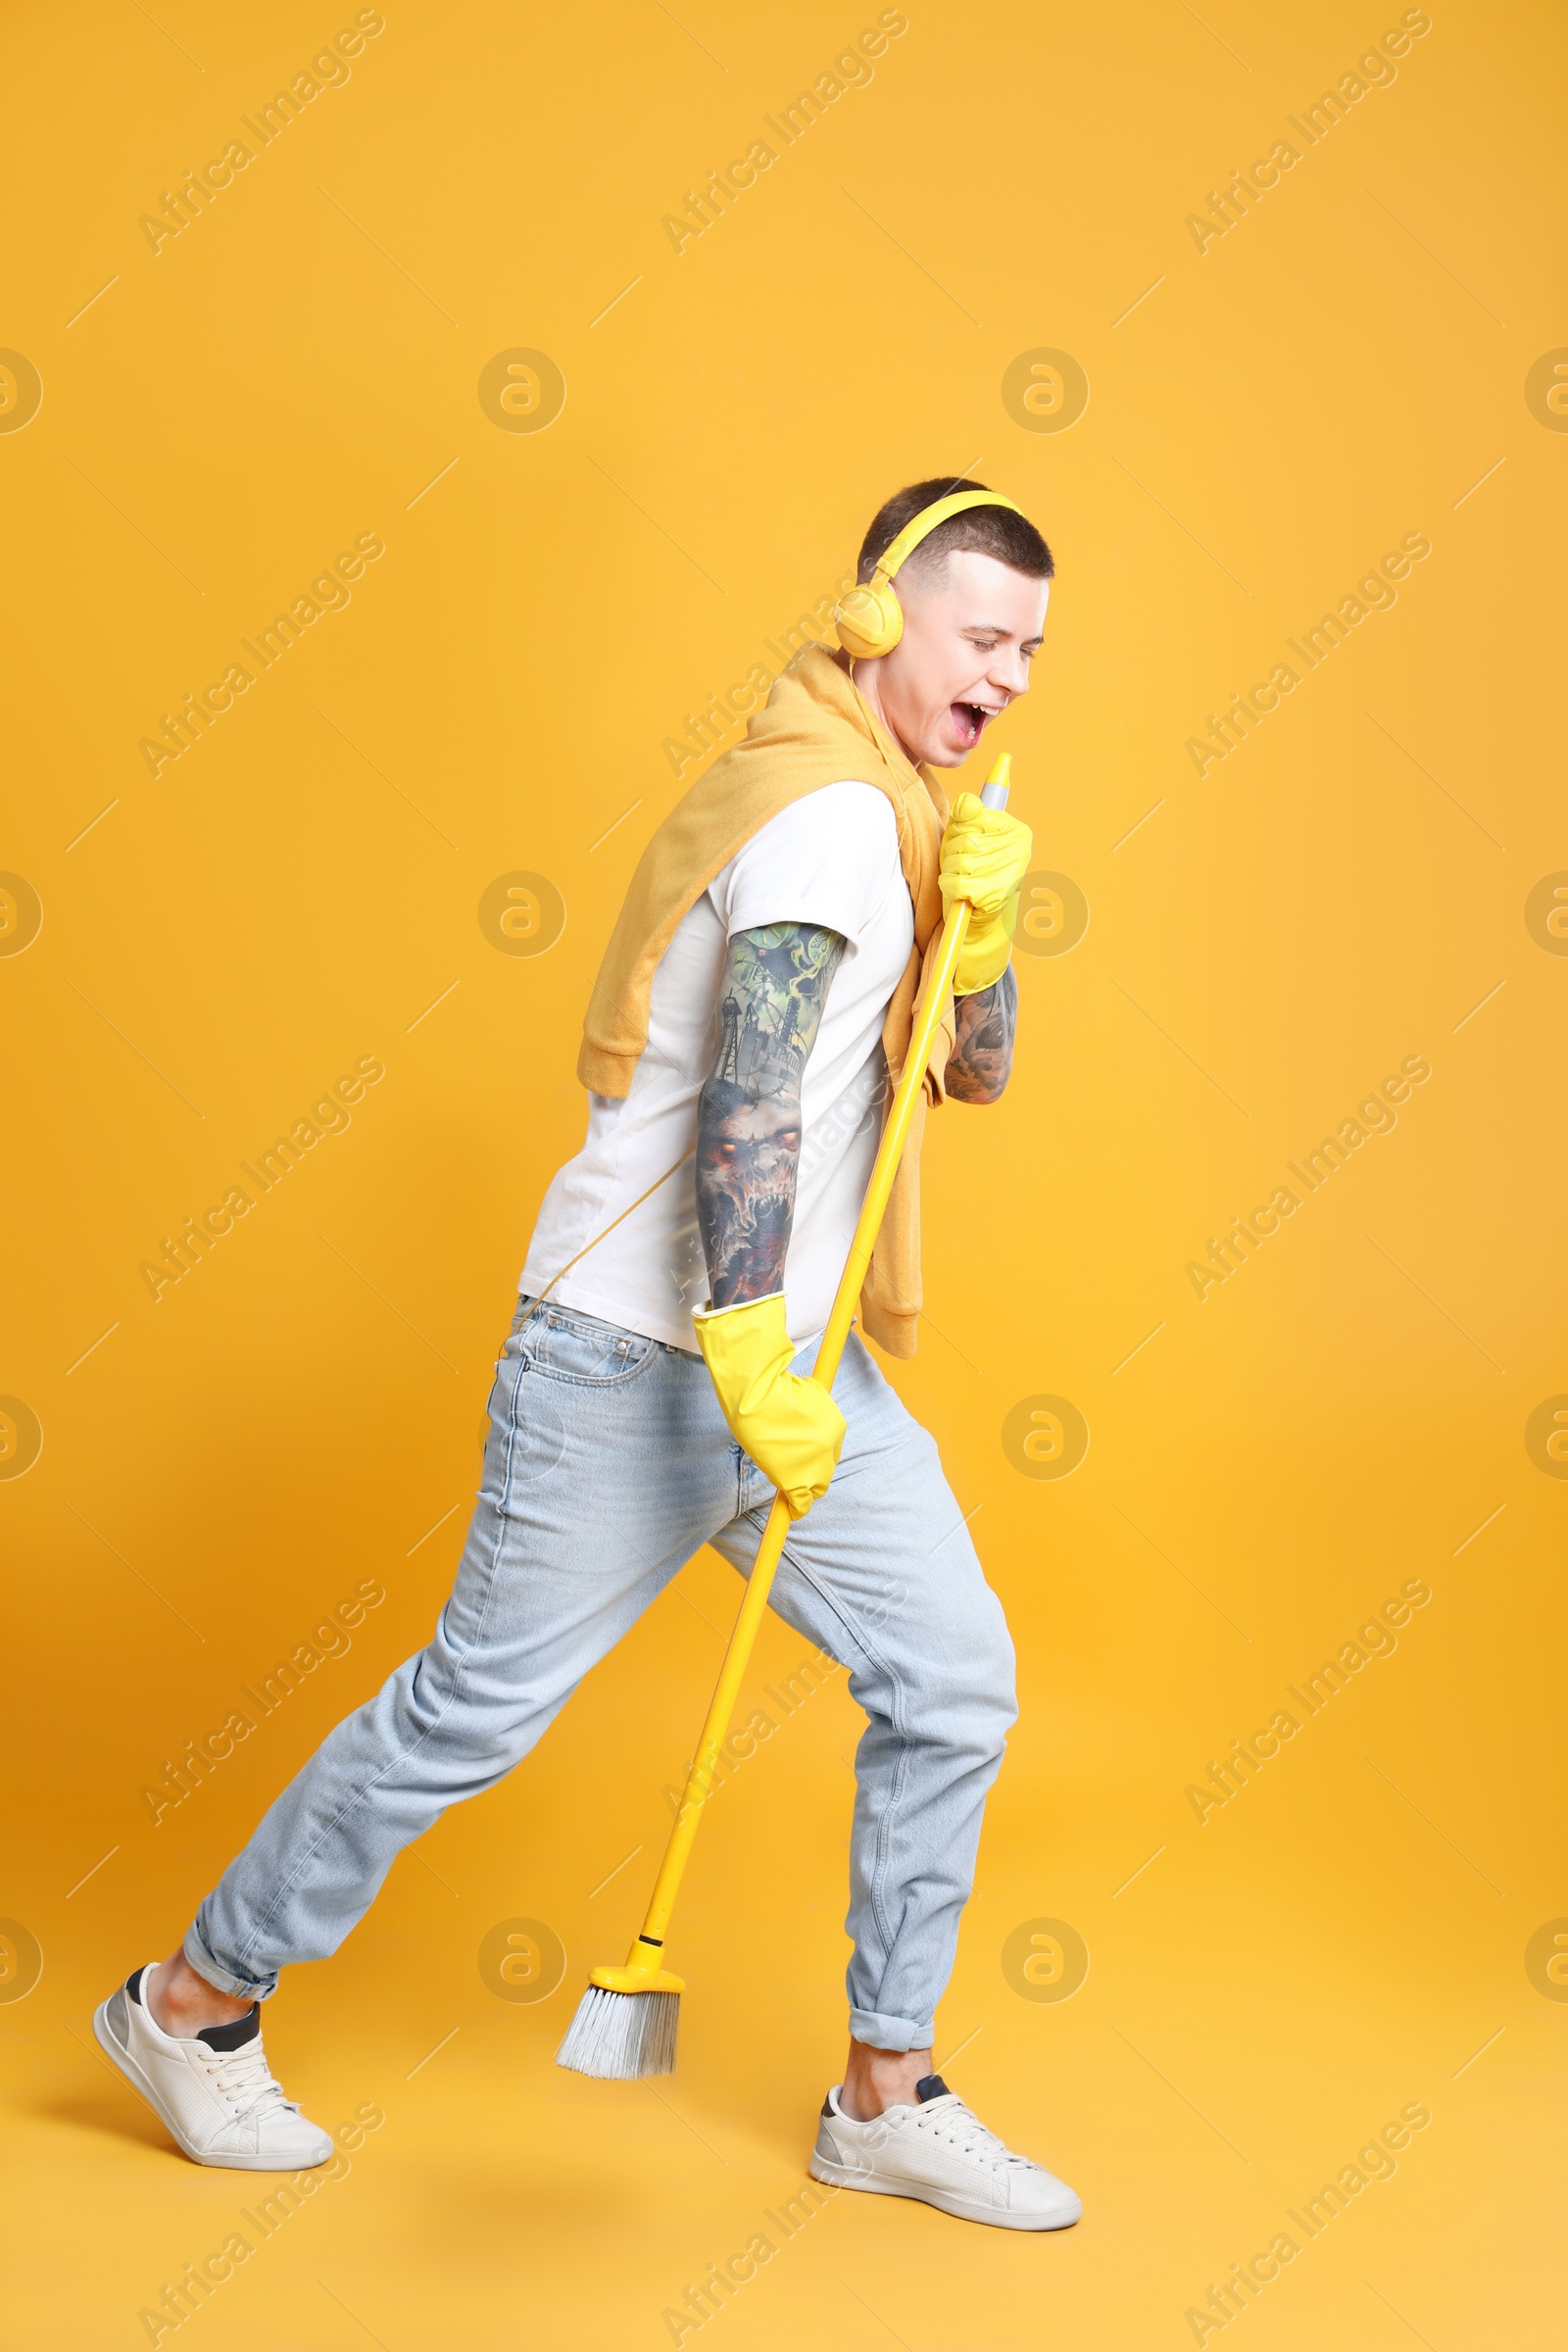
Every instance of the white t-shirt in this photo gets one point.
(830, 859)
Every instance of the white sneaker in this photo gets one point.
(214, 2094)
(941, 2153)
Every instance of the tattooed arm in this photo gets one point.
(771, 999)
(981, 1060)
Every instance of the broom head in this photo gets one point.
(626, 2022)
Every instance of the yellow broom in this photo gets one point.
(625, 2021)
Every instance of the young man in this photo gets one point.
(757, 992)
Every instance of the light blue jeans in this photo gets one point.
(608, 1464)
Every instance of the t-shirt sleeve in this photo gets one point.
(826, 859)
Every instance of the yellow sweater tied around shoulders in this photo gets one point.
(814, 729)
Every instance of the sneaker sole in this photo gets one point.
(117, 2055)
(963, 2208)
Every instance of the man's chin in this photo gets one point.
(946, 744)
(952, 745)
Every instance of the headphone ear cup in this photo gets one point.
(869, 621)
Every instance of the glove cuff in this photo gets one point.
(987, 950)
(737, 1306)
(743, 1344)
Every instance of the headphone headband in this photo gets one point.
(931, 518)
(869, 618)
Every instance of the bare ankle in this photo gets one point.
(182, 2003)
(874, 2080)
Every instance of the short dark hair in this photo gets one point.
(997, 531)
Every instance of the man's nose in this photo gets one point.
(1009, 672)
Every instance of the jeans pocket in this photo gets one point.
(580, 1350)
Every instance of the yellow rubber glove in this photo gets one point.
(985, 857)
(791, 1427)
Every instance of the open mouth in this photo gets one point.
(969, 718)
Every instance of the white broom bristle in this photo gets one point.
(620, 2036)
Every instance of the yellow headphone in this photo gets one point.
(871, 619)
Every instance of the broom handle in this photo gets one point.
(700, 1780)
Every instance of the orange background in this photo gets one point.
(1348, 888)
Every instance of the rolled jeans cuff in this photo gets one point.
(890, 2033)
(222, 1980)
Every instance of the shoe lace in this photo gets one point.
(973, 2138)
(246, 2080)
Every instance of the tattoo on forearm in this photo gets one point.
(981, 1059)
(771, 999)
